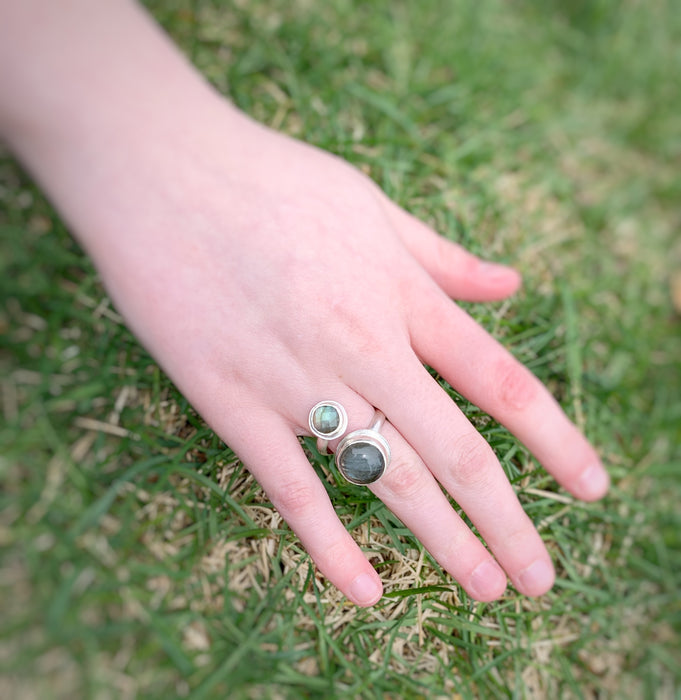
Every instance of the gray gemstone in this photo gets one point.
(361, 463)
(326, 419)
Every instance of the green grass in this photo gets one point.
(144, 561)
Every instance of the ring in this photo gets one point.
(363, 456)
(327, 420)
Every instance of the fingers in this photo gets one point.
(488, 375)
(428, 429)
(281, 468)
(461, 460)
(410, 491)
(457, 272)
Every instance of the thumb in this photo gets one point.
(459, 273)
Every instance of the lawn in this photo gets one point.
(140, 559)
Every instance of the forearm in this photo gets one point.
(68, 64)
(85, 88)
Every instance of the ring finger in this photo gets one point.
(409, 489)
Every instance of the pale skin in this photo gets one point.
(265, 275)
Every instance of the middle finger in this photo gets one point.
(410, 491)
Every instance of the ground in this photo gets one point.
(139, 558)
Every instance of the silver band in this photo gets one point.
(379, 420)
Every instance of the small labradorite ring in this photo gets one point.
(327, 420)
(363, 456)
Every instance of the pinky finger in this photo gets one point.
(297, 493)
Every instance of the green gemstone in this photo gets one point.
(326, 419)
(361, 463)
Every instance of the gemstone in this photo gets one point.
(326, 419)
(361, 463)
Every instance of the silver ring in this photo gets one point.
(363, 456)
(327, 421)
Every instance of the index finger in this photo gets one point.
(483, 371)
(282, 469)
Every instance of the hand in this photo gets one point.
(265, 275)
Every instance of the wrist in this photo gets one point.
(99, 105)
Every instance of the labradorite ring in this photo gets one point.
(327, 420)
(363, 456)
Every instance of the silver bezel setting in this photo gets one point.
(373, 438)
(342, 421)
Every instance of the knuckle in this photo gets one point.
(294, 500)
(521, 538)
(516, 387)
(403, 478)
(350, 322)
(447, 261)
(337, 556)
(442, 261)
(470, 460)
(467, 264)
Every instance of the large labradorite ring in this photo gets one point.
(327, 420)
(363, 456)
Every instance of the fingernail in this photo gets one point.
(593, 483)
(537, 578)
(365, 590)
(496, 272)
(487, 581)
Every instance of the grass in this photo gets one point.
(139, 559)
